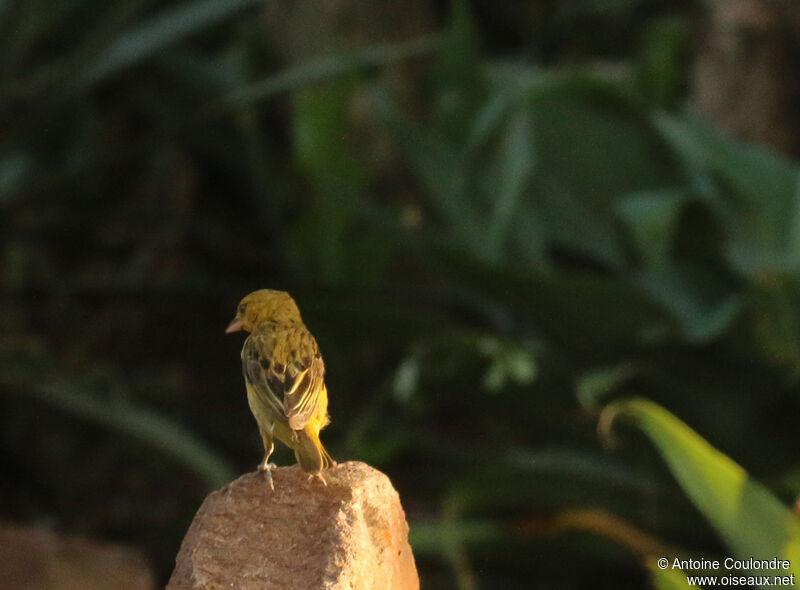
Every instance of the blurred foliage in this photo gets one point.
(495, 218)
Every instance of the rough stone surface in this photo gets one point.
(351, 534)
(39, 559)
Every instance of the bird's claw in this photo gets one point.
(265, 466)
(266, 469)
(319, 477)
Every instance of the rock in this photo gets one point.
(39, 559)
(351, 534)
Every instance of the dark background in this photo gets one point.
(495, 217)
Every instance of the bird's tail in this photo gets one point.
(310, 453)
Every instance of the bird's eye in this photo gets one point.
(242, 308)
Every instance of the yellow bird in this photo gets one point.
(285, 379)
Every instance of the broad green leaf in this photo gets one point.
(572, 223)
(760, 202)
(750, 520)
(652, 219)
(703, 305)
(443, 171)
(592, 147)
(592, 139)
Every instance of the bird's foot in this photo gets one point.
(266, 468)
(319, 477)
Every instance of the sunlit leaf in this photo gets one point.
(666, 578)
(749, 519)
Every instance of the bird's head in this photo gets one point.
(261, 306)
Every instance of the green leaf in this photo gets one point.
(491, 115)
(28, 371)
(652, 219)
(443, 171)
(15, 168)
(659, 71)
(593, 147)
(595, 385)
(596, 141)
(406, 379)
(457, 75)
(759, 199)
(751, 521)
(330, 67)
(580, 311)
(703, 305)
(147, 38)
(138, 422)
(666, 579)
(517, 161)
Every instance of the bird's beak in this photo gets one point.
(235, 326)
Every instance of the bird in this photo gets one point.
(284, 376)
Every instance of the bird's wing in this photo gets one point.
(287, 372)
(305, 379)
(257, 369)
